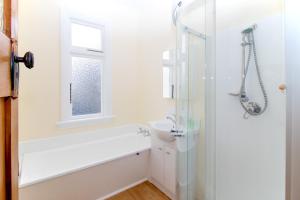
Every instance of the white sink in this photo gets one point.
(163, 130)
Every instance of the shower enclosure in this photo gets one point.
(223, 154)
(194, 104)
(191, 113)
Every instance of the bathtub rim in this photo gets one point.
(34, 145)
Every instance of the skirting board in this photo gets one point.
(122, 189)
(163, 189)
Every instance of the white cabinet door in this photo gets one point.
(170, 169)
(157, 164)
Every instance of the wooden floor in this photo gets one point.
(144, 191)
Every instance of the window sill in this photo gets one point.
(83, 122)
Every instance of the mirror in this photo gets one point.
(168, 60)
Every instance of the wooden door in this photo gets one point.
(8, 104)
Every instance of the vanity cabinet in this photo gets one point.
(170, 169)
(163, 166)
(157, 164)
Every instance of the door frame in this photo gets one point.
(9, 103)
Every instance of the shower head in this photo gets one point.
(249, 29)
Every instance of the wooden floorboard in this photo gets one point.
(144, 191)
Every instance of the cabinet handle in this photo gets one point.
(160, 148)
(70, 92)
(168, 153)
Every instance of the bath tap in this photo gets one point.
(145, 132)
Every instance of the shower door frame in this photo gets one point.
(210, 99)
(292, 32)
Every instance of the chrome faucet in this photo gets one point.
(174, 131)
(172, 118)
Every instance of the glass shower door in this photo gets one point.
(190, 110)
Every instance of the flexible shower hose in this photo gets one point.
(250, 37)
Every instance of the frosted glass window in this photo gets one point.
(86, 86)
(87, 37)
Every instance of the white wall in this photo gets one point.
(39, 32)
(250, 160)
(138, 40)
(157, 34)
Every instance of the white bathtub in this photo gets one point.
(83, 166)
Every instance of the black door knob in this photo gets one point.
(28, 60)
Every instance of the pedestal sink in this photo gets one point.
(163, 130)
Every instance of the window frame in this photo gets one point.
(68, 51)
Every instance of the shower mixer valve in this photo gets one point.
(253, 107)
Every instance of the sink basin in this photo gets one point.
(163, 130)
